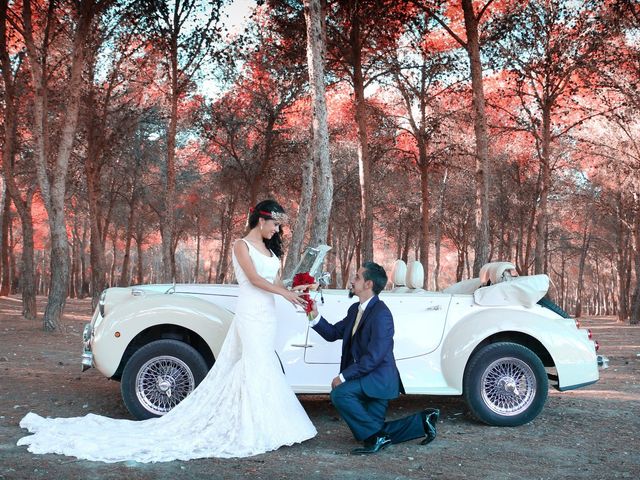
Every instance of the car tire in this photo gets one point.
(160, 375)
(505, 384)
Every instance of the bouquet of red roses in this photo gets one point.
(304, 279)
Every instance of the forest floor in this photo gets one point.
(592, 432)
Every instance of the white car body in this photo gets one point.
(435, 334)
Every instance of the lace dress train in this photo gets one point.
(243, 407)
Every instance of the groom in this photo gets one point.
(368, 376)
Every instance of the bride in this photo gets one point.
(243, 407)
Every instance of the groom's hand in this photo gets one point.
(335, 382)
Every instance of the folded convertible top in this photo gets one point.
(524, 291)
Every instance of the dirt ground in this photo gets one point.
(591, 433)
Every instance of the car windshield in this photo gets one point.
(311, 262)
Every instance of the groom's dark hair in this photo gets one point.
(375, 273)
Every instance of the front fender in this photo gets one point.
(125, 321)
(572, 352)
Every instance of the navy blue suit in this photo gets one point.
(371, 376)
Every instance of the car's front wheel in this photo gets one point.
(159, 375)
(505, 384)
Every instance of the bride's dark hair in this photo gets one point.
(268, 209)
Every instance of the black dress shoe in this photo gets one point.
(374, 446)
(430, 417)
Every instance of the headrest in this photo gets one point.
(492, 273)
(415, 275)
(399, 273)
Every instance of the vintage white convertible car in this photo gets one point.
(493, 344)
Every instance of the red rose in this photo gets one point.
(304, 279)
(309, 306)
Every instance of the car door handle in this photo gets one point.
(434, 307)
(301, 345)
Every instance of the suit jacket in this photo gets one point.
(367, 356)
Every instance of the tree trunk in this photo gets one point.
(5, 288)
(210, 272)
(316, 52)
(627, 277)
(196, 272)
(545, 180)
(27, 270)
(346, 251)
(226, 230)
(424, 214)
(114, 260)
(364, 166)
(265, 160)
(621, 263)
(482, 141)
(52, 181)
(139, 259)
(460, 263)
(124, 275)
(306, 195)
(85, 291)
(75, 260)
(405, 246)
(399, 232)
(167, 229)
(586, 239)
(438, 232)
(599, 309)
(93, 167)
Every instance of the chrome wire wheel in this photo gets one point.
(508, 386)
(162, 383)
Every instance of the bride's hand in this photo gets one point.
(295, 299)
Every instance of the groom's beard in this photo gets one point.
(351, 293)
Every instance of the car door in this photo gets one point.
(419, 320)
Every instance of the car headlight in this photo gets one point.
(101, 302)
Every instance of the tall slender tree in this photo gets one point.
(187, 32)
(472, 18)
(418, 68)
(548, 45)
(23, 205)
(52, 167)
(316, 52)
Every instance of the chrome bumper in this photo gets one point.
(87, 355)
(603, 362)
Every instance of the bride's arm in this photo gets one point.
(278, 280)
(242, 255)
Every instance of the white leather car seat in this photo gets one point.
(399, 277)
(415, 277)
(495, 272)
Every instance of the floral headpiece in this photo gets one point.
(279, 217)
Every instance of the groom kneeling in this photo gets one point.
(368, 375)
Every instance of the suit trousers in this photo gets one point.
(365, 415)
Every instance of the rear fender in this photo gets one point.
(572, 354)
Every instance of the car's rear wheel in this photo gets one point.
(505, 384)
(159, 375)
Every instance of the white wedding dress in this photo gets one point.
(243, 407)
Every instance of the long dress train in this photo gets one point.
(243, 407)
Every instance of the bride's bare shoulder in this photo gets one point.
(240, 246)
